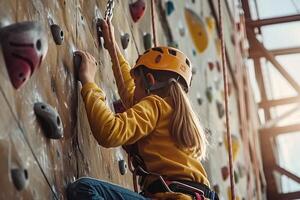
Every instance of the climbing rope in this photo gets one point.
(225, 79)
(153, 22)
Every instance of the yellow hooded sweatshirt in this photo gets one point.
(145, 123)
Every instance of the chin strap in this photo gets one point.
(158, 85)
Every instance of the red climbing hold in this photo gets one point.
(211, 66)
(137, 10)
(24, 46)
(225, 172)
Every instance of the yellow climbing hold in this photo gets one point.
(197, 29)
(218, 46)
(211, 23)
(235, 145)
(229, 194)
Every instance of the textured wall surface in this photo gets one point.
(52, 164)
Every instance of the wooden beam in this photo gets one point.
(246, 8)
(261, 86)
(289, 196)
(287, 173)
(272, 59)
(274, 121)
(271, 21)
(275, 131)
(285, 51)
(254, 53)
(278, 102)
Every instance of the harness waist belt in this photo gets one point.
(157, 186)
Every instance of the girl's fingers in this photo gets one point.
(86, 57)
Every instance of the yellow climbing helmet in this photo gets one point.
(166, 59)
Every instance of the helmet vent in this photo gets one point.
(187, 62)
(172, 52)
(157, 49)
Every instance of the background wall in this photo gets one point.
(52, 164)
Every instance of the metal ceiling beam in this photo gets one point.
(271, 21)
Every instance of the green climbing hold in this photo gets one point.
(209, 94)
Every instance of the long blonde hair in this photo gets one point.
(185, 128)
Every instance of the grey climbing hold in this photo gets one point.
(125, 40)
(57, 33)
(20, 178)
(122, 167)
(50, 120)
(147, 41)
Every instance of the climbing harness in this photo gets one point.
(225, 79)
(137, 167)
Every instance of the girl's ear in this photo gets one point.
(150, 78)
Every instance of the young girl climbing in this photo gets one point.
(159, 124)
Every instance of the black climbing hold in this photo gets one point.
(122, 167)
(50, 120)
(77, 60)
(24, 45)
(57, 33)
(147, 41)
(199, 99)
(169, 7)
(220, 109)
(20, 178)
(125, 40)
(137, 10)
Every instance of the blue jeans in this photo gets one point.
(93, 189)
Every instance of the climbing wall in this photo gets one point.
(35, 166)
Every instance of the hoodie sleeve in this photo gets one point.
(111, 130)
